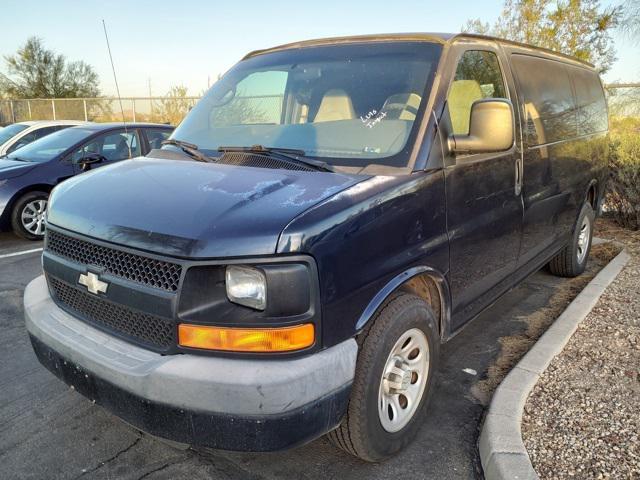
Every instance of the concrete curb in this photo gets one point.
(502, 451)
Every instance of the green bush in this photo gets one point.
(623, 198)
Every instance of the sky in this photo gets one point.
(159, 44)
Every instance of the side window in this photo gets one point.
(27, 139)
(30, 137)
(478, 76)
(257, 99)
(545, 90)
(113, 146)
(592, 106)
(156, 136)
(43, 132)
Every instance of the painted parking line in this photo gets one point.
(23, 252)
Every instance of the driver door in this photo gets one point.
(114, 146)
(484, 201)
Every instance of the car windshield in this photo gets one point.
(47, 148)
(350, 104)
(10, 131)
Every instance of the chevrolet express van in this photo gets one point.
(290, 261)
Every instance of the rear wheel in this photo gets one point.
(393, 380)
(28, 215)
(572, 260)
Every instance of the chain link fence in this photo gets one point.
(624, 101)
(169, 110)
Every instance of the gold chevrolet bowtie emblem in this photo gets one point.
(93, 283)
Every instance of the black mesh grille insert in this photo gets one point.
(247, 159)
(147, 329)
(155, 273)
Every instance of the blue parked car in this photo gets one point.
(28, 174)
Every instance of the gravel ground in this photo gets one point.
(582, 420)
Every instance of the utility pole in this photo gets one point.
(150, 99)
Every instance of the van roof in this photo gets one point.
(442, 38)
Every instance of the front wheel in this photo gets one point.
(572, 260)
(28, 215)
(393, 380)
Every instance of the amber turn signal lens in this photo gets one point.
(283, 339)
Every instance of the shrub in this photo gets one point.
(623, 198)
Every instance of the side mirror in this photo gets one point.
(89, 159)
(490, 128)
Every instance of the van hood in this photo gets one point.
(13, 168)
(190, 209)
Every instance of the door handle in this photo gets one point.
(518, 177)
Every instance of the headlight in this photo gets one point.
(246, 286)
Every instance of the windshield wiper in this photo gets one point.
(188, 148)
(289, 154)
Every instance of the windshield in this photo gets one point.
(49, 147)
(348, 104)
(10, 131)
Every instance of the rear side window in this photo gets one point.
(545, 91)
(592, 106)
(478, 76)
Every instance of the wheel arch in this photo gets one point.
(425, 282)
(589, 195)
(36, 187)
(592, 194)
(5, 221)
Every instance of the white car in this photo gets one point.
(17, 135)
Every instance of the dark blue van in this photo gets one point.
(28, 174)
(289, 263)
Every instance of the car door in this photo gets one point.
(548, 110)
(113, 146)
(484, 204)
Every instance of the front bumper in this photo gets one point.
(231, 404)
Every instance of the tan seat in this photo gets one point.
(461, 96)
(402, 106)
(335, 105)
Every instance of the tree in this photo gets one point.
(477, 26)
(35, 72)
(581, 28)
(631, 19)
(174, 105)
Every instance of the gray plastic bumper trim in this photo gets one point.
(194, 382)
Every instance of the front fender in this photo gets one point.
(396, 282)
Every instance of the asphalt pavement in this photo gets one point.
(48, 431)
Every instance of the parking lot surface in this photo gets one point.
(49, 431)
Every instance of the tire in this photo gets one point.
(361, 432)
(28, 207)
(572, 260)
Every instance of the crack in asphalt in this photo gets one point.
(224, 464)
(162, 467)
(110, 459)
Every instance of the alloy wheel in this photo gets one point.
(33, 215)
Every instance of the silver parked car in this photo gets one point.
(17, 135)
